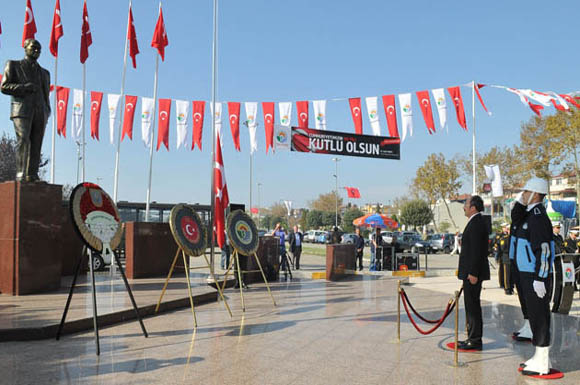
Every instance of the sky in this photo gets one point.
(300, 50)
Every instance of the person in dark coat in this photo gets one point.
(473, 270)
(295, 240)
(359, 246)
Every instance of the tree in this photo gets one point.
(8, 159)
(314, 219)
(329, 218)
(438, 179)
(349, 216)
(416, 213)
(326, 202)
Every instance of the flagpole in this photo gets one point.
(117, 155)
(213, 98)
(54, 115)
(473, 150)
(83, 172)
(151, 137)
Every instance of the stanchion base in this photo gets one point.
(553, 375)
(451, 345)
(459, 364)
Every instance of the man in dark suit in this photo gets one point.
(28, 84)
(295, 241)
(473, 269)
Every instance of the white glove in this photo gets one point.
(540, 288)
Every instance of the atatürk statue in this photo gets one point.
(28, 84)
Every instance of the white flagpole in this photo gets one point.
(117, 155)
(152, 134)
(54, 114)
(213, 133)
(474, 159)
(83, 172)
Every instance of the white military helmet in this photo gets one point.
(537, 185)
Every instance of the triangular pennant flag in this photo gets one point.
(128, 116)
(113, 106)
(198, 114)
(319, 114)
(425, 105)
(251, 112)
(372, 111)
(302, 113)
(96, 100)
(62, 94)
(77, 113)
(217, 117)
(457, 100)
(269, 119)
(441, 103)
(234, 118)
(391, 114)
(477, 87)
(406, 114)
(355, 111)
(285, 109)
(163, 123)
(147, 107)
(181, 116)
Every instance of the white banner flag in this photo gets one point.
(406, 114)
(147, 107)
(251, 113)
(372, 110)
(439, 96)
(113, 104)
(182, 114)
(288, 205)
(282, 137)
(77, 114)
(217, 116)
(493, 174)
(539, 97)
(319, 114)
(285, 109)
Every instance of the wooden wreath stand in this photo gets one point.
(235, 257)
(83, 258)
(187, 269)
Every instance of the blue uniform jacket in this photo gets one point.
(529, 231)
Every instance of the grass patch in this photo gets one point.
(312, 250)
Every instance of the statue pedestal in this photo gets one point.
(340, 261)
(30, 227)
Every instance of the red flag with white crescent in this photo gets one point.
(269, 117)
(425, 104)
(29, 23)
(302, 112)
(352, 192)
(160, 35)
(128, 115)
(163, 125)
(570, 100)
(132, 37)
(234, 115)
(355, 111)
(455, 94)
(477, 87)
(391, 114)
(222, 199)
(198, 111)
(96, 99)
(62, 94)
(86, 37)
(57, 32)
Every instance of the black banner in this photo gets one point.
(342, 143)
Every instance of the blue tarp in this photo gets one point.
(566, 208)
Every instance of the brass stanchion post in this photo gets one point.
(456, 363)
(399, 311)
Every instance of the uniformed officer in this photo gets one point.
(558, 240)
(532, 249)
(503, 259)
(571, 243)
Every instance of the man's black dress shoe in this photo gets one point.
(469, 345)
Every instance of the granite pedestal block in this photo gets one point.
(340, 261)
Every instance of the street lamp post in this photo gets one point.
(336, 160)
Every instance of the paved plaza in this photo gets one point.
(320, 333)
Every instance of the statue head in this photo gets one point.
(32, 49)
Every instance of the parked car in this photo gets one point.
(261, 233)
(407, 241)
(348, 238)
(387, 236)
(442, 242)
(312, 235)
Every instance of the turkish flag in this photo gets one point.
(355, 111)
(222, 199)
(62, 94)
(57, 31)
(477, 87)
(163, 125)
(29, 23)
(254, 210)
(128, 115)
(425, 103)
(455, 94)
(132, 37)
(86, 38)
(302, 112)
(391, 113)
(352, 192)
(160, 35)
(269, 117)
(234, 114)
(570, 100)
(198, 110)
(96, 99)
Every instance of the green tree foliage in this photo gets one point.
(329, 219)
(326, 202)
(436, 179)
(537, 149)
(8, 159)
(416, 213)
(349, 216)
(314, 219)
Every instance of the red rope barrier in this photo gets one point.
(439, 323)
(415, 311)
